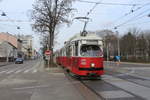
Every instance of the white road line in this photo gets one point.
(128, 86)
(3, 71)
(21, 70)
(32, 87)
(34, 71)
(33, 68)
(18, 71)
(13, 70)
(128, 73)
(10, 71)
(26, 71)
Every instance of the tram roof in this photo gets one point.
(89, 36)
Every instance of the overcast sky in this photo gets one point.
(102, 17)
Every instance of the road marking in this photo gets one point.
(34, 71)
(13, 70)
(31, 87)
(128, 86)
(18, 71)
(115, 94)
(26, 71)
(128, 73)
(3, 71)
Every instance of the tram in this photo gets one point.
(82, 55)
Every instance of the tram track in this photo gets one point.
(87, 92)
(128, 77)
(96, 87)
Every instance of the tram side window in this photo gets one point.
(68, 51)
(73, 50)
(76, 49)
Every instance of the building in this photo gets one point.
(7, 51)
(14, 41)
(9, 38)
(26, 45)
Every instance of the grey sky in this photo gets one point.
(103, 17)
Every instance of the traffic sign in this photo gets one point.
(47, 52)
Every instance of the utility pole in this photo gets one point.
(118, 42)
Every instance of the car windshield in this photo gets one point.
(91, 50)
(19, 59)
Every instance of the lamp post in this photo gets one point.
(118, 42)
(3, 14)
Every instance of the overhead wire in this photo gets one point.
(88, 13)
(131, 12)
(123, 4)
(137, 23)
(129, 20)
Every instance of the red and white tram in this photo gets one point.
(82, 55)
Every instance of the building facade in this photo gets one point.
(7, 51)
(14, 41)
(27, 41)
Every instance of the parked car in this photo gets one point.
(19, 61)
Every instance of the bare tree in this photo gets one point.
(110, 42)
(128, 44)
(48, 15)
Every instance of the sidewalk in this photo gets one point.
(4, 63)
(58, 86)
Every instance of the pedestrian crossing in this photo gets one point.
(19, 71)
(126, 90)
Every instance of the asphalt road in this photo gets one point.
(29, 81)
(15, 76)
(126, 81)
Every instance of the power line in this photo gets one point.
(11, 20)
(131, 11)
(123, 4)
(138, 23)
(88, 13)
(131, 19)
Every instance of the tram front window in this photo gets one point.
(90, 51)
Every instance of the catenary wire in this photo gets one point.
(123, 4)
(131, 19)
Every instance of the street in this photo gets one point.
(14, 76)
(29, 81)
(126, 81)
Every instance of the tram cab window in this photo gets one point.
(90, 50)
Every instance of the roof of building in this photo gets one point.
(1, 42)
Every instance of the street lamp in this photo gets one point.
(3, 14)
(118, 43)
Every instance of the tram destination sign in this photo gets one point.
(92, 42)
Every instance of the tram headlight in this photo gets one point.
(92, 65)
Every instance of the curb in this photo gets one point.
(128, 63)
